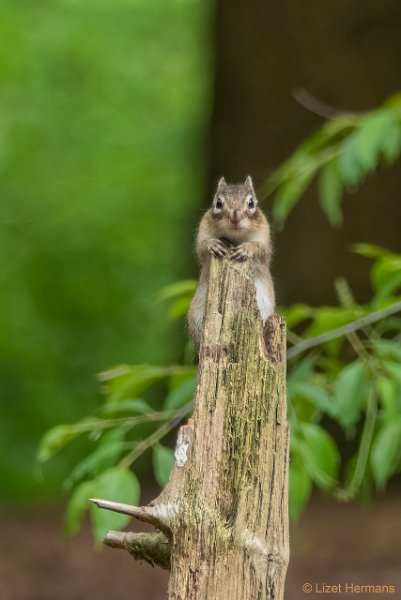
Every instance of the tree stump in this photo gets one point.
(222, 519)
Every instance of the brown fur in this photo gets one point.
(240, 232)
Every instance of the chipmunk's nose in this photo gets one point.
(236, 216)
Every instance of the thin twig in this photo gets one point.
(142, 513)
(344, 329)
(145, 514)
(293, 338)
(157, 435)
(115, 539)
(272, 183)
(152, 547)
(363, 454)
(316, 106)
(128, 421)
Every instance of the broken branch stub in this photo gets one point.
(224, 510)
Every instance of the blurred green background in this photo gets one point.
(103, 119)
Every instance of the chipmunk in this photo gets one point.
(236, 228)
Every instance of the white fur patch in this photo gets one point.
(263, 299)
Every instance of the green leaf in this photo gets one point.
(330, 192)
(181, 395)
(351, 393)
(289, 192)
(384, 452)
(185, 287)
(331, 317)
(389, 394)
(392, 145)
(350, 169)
(180, 306)
(302, 409)
(390, 324)
(370, 138)
(320, 455)
(177, 379)
(393, 101)
(295, 314)
(315, 143)
(104, 457)
(300, 486)
(61, 435)
(393, 369)
(388, 349)
(386, 277)
(302, 370)
(134, 380)
(135, 406)
(77, 506)
(316, 394)
(163, 459)
(371, 251)
(119, 485)
(55, 439)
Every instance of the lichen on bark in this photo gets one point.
(224, 510)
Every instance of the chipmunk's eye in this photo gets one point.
(251, 203)
(219, 202)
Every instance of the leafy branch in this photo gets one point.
(344, 365)
(344, 330)
(321, 385)
(340, 155)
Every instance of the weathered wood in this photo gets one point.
(224, 508)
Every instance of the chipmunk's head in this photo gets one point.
(235, 207)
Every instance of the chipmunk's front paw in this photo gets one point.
(217, 248)
(241, 252)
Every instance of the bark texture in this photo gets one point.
(224, 509)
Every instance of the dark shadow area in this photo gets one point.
(333, 543)
(345, 53)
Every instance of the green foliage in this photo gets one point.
(344, 374)
(181, 393)
(181, 294)
(107, 454)
(351, 389)
(330, 191)
(117, 483)
(320, 455)
(163, 458)
(341, 155)
(123, 429)
(102, 111)
(131, 381)
(58, 437)
(54, 440)
(300, 486)
(385, 455)
(77, 506)
(361, 394)
(352, 381)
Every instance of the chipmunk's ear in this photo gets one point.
(249, 182)
(222, 183)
